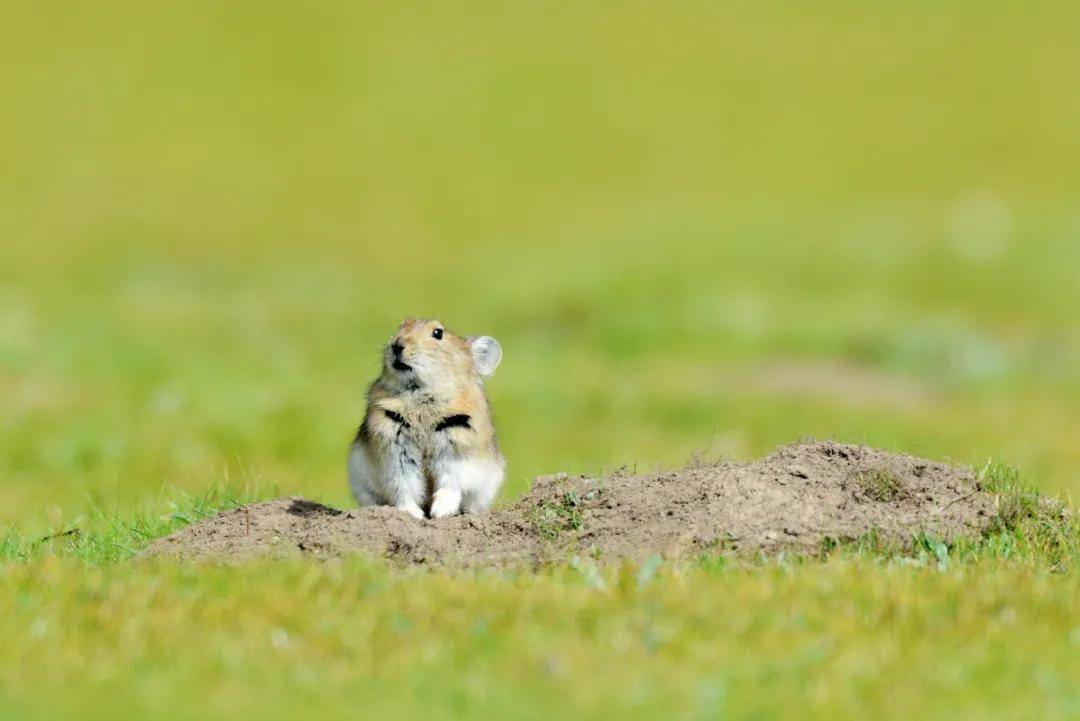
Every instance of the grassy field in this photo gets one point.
(694, 227)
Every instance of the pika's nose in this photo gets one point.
(396, 348)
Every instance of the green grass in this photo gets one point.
(103, 536)
(694, 227)
(980, 639)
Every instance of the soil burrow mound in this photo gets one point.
(802, 496)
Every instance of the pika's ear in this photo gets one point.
(486, 353)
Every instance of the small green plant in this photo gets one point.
(551, 518)
(880, 484)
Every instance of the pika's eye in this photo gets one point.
(437, 334)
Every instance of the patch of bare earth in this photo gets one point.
(800, 497)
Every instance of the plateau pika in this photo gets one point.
(427, 443)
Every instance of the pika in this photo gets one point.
(427, 443)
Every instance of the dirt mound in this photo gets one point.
(801, 496)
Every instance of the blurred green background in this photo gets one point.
(694, 227)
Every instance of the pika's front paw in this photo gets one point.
(411, 508)
(445, 502)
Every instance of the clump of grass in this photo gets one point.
(552, 518)
(1025, 520)
(880, 485)
(1015, 501)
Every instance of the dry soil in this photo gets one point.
(802, 497)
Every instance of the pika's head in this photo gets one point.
(426, 352)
